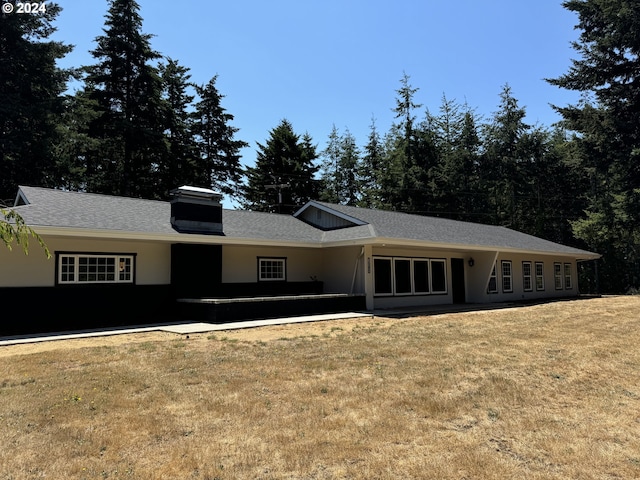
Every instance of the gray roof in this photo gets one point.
(397, 225)
(80, 212)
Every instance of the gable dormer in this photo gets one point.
(325, 218)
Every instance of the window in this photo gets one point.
(507, 284)
(383, 284)
(438, 276)
(527, 284)
(493, 281)
(402, 275)
(95, 268)
(409, 276)
(567, 276)
(539, 276)
(421, 276)
(557, 275)
(272, 269)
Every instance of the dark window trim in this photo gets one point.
(59, 253)
(284, 260)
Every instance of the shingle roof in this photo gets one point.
(435, 230)
(85, 211)
(79, 210)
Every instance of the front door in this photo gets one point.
(457, 280)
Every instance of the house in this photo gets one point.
(120, 260)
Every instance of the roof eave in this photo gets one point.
(168, 237)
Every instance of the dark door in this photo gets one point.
(457, 280)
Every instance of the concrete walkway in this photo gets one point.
(179, 328)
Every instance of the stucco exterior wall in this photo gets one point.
(240, 263)
(338, 268)
(153, 260)
(476, 276)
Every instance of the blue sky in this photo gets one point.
(320, 63)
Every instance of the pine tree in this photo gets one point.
(218, 164)
(283, 178)
(607, 122)
(30, 99)
(127, 90)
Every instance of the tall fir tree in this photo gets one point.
(329, 168)
(31, 99)
(339, 176)
(283, 178)
(179, 167)
(500, 164)
(607, 122)
(218, 164)
(454, 175)
(127, 90)
(370, 170)
(402, 143)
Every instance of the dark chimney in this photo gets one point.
(196, 210)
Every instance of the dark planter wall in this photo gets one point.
(55, 309)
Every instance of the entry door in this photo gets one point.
(457, 280)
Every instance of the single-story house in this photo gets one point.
(118, 260)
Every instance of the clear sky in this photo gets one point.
(320, 63)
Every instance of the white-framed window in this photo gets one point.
(83, 268)
(493, 281)
(507, 277)
(567, 276)
(421, 276)
(557, 275)
(402, 276)
(272, 269)
(409, 276)
(539, 276)
(527, 277)
(438, 276)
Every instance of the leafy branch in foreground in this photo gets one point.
(13, 228)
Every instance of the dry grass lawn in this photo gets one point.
(549, 391)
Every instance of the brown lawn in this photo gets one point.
(549, 391)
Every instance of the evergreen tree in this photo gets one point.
(370, 170)
(30, 99)
(218, 164)
(607, 122)
(179, 167)
(282, 179)
(127, 90)
(340, 183)
(457, 143)
(402, 145)
(329, 169)
(501, 172)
